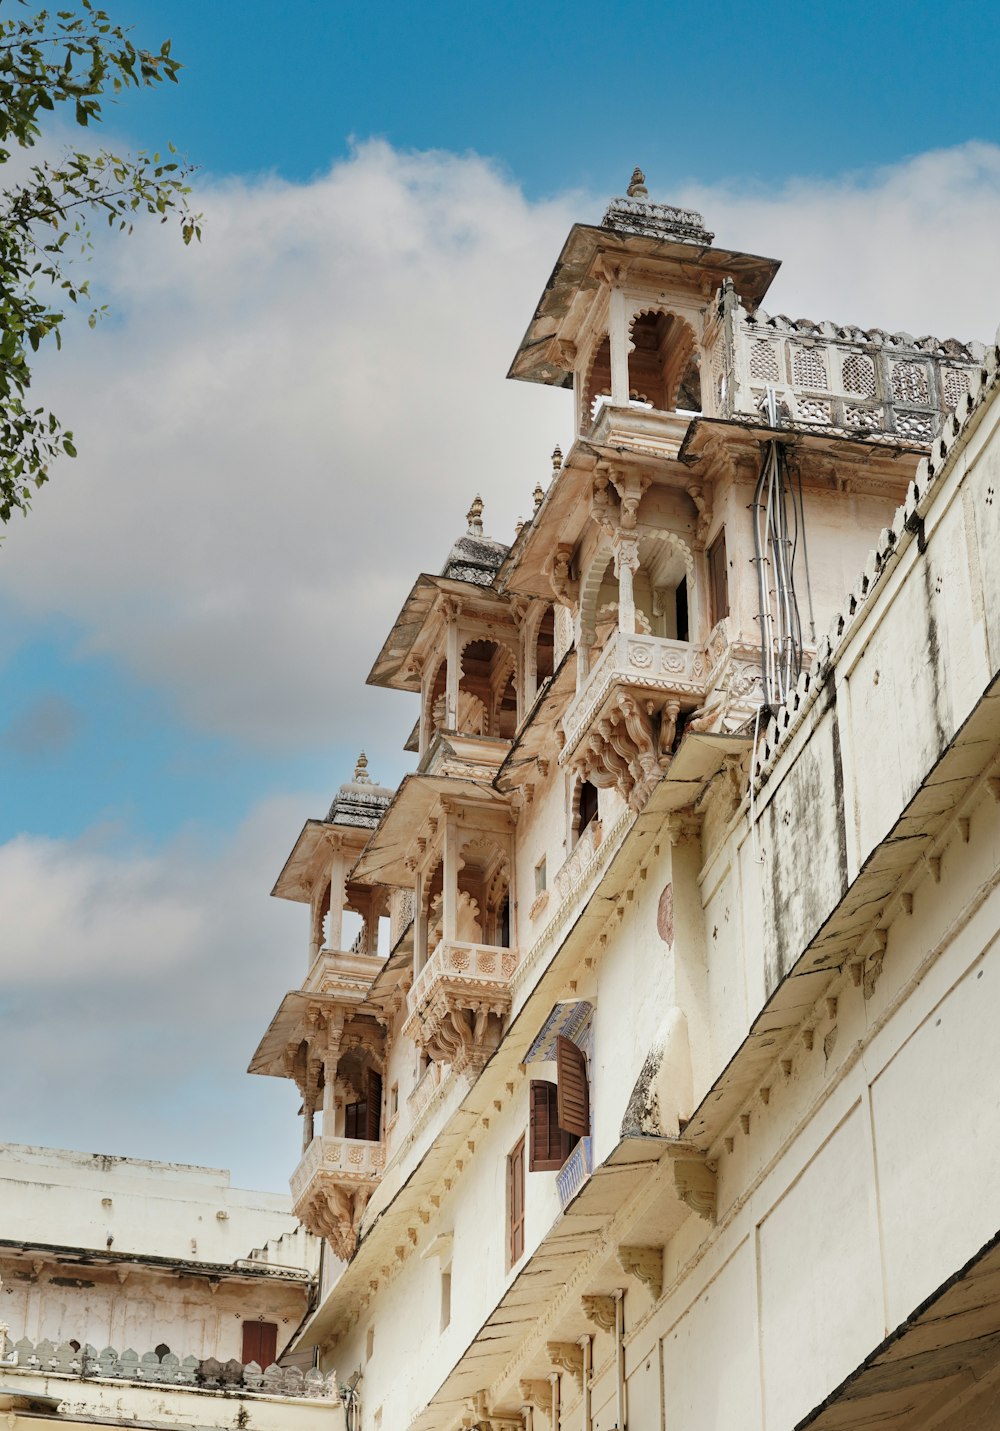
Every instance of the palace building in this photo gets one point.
(645, 1039)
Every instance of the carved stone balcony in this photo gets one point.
(346, 975)
(620, 728)
(458, 1002)
(640, 429)
(331, 1187)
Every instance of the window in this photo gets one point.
(446, 1296)
(260, 1343)
(560, 1111)
(681, 611)
(394, 1100)
(364, 1119)
(515, 1202)
(718, 578)
(540, 876)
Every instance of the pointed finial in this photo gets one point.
(637, 189)
(361, 776)
(556, 459)
(538, 495)
(474, 517)
(518, 527)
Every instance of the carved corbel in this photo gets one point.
(564, 588)
(599, 1310)
(567, 1356)
(537, 1394)
(631, 487)
(695, 1184)
(702, 498)
(646, 1265)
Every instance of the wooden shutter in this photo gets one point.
(260, 1343)
(373, 1110)
(573, 1100)
(546, 1151)
(515, 1201)
(354, 1120)
(718, 578)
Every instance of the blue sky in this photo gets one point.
(280, 428)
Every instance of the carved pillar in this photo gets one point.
(452, 864)
(331, 1057)
(454, 675)
(335, 922)
(690, 942)
(419, 926)
(618, 335)
(626, 550)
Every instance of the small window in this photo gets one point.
(681, 611)
(718, 578)
(394, 1100)
(541, 876)
(515, 1202)
(446, 1297)
(260, 1343)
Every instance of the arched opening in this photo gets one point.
(545, 646)
(663, 363)
(660, 592)
(598, 385)
(585, 808)
(360, 1082)
(487, 697)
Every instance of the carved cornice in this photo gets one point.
(600, 1311)
(646, 1265)
(567, 1356)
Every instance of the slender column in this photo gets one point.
(588, 1353)
(451, 867)
(453, 677)
(335, 923)
(622, 1412)
(626, 550)
(419, 927)
(618, 334)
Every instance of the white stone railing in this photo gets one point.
(452, 959)
(355, 1159)
(89, 1364)
(653, 663)
(574, 865)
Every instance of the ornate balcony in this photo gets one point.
(639, 429)
(331, 1187)
(345, 975)
(620, 728)
(458, 1002)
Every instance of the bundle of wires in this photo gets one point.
(778, 526)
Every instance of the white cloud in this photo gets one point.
(134, 987)
(280, 429)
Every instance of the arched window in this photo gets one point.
(586, 808)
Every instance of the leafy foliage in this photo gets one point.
(64, 62)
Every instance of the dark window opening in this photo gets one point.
(363, 1119)
(588, 806)
(718, 578)
(681, 609)
(560, 1111)
(504, 922)
(546, 647)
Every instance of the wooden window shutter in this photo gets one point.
(573, 1099)
(718, 578)
(260, 1343)
(547, 1150)
(373, 1110)
(515, 1201)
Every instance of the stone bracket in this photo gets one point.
(646, 1265)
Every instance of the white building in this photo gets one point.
(672, 1103)
(137, 1290)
